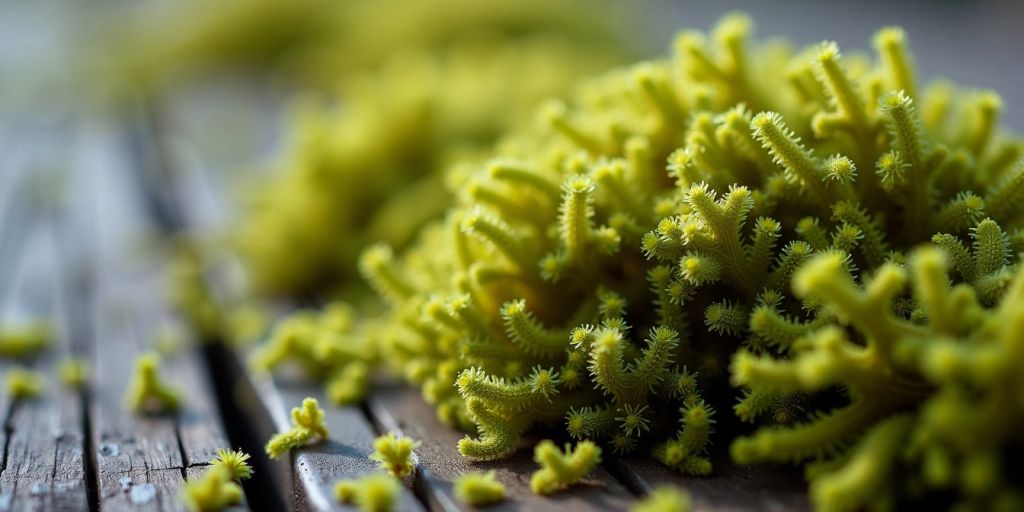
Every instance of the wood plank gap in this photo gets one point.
(7, 434)
(247, 427)
(181, 449)
(92, 484)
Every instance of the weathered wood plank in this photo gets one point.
(138, 461)
(151, 453)
(45, 469)
(400, 409)
(45, 464)
(128, 448)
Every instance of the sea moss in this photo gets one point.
(618, 255)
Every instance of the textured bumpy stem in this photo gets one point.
(378, 267)
(725, 219)
(501, 236)
(521, 173)
(497, 435)
(1005, 200)
(574, 219)
(868, 469)
(873, 244)
(778, 330)
(511, 397)
(991, 249)
(989, 105)
(890, 42)
(631, 385)
(961, 213)
(787, 151)
(802, 441)
(905, 129)
(524, 330)
(847, 99)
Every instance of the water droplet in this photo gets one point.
(109, 450)
(5, 501)
(142, 493)
(39, 488)
(126, 483)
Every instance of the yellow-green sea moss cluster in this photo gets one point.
(653, 225)
(935, 394)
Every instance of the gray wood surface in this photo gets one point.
(45, 467)
(141, 461)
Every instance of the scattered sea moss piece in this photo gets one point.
(212, 492)
(236, 462)
(375, 492)
(24, 340)
(479, 488)
(664, 499)
(307, 425)
(395, 454)
(170, 339)
(147, 392)
(558, 469)
(73, 372)
(23, 384)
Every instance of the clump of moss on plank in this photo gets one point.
(673, 214)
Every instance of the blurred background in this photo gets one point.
(249, 87)
(47, 46)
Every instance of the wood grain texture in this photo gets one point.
(45, 467)
(141, 461)
(401, 409)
